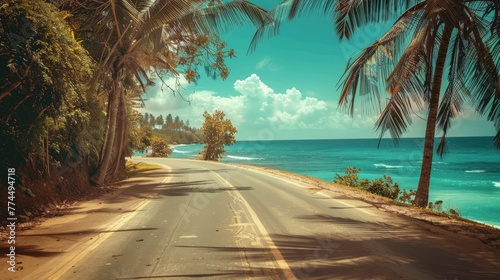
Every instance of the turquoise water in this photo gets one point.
(467, 178)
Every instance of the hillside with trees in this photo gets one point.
(153, 135)
(178, 131)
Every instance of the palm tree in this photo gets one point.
(133, 40)
(430, 38)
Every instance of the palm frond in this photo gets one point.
(288, 10)
(142, 5)
(482, 72)
(219, 18)
(396, 116)
(409, 75)
(352, 14)
(373, 66)
(164, 11)
(456, 93)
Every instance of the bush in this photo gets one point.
(384, 187)
(408, 197)
(160, 147)
(349, 179)
(381, 186)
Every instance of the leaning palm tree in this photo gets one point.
(133, 40)
(429, 39)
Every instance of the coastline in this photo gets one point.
(488, 234)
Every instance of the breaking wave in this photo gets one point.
(244, 158)
(475, 171)
(387, 166)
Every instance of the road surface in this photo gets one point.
(198, 219)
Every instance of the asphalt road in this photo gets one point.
(211, 220)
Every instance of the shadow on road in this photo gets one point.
(342, 257)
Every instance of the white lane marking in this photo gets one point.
(59, 270)
(278, 257)
(188, 236)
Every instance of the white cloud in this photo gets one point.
(256, 107)
(266, 63)
(281, 110)
(160, 98)
(232, 106)
(263, 62)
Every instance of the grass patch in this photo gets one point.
(134, 168)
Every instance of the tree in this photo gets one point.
(218, 132)
(169, 122)
(159, 121)
(146, 119)
(140, 135)
(160, 147)
(177, 123)
(136, 41)
(428, 40)
(152, 120)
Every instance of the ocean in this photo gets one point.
(466, 179)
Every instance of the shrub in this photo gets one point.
(349, 179)
(160, 147)
(384, 187)
(381, 186)
(408, 197)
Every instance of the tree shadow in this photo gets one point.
(88, 231)
(35, 251)
(372, 257)
(351, 207)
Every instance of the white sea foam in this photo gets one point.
(475, 171)
(244, 158)
(180, 152)
(496, 184)
(387, 166)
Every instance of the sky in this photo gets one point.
(288, 87)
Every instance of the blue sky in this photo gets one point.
(287, 88)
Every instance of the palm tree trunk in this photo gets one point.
(107, 158)
(120, 143)
(422, 195)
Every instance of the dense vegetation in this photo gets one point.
(385, 187)
(177, 130)
(382, 186)
(154, 133)
(71, 78)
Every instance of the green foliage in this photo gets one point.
(44, 105)
(217, 132)
(160, 147)
(350, 178)
(381, 186)
(407, 197)
(208, 52)
(384, 187)
(140, 133)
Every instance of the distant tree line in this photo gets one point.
(176, 129)
(156, 134)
